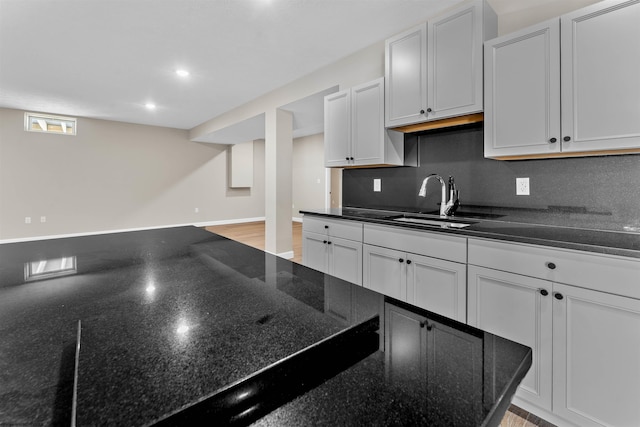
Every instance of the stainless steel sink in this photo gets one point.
(436, 222)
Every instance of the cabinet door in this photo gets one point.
(405, 345)
(514, 307)
(337, 300)
(406, 77)
(438, 286)
(314, 251)
(522, 92)
(454, 63)
(384, 271)
(345, 260)
(337, 129)
(454, 378)
(600, 84)
(367, 123)
(596, 357)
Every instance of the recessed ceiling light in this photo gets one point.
(182, 73)
(150, 106)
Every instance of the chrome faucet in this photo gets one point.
(447, 207)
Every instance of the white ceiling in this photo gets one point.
(106, 58)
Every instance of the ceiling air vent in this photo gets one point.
(34, 122)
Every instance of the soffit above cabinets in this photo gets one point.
(246, 130)
(308, 119)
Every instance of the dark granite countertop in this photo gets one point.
(506, 225)
(182, 326)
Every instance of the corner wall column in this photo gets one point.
(278, 185)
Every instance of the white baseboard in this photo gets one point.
(539, 412)
(124, 230)
(229, 221)
(285, 255)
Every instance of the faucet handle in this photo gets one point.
(452, 185)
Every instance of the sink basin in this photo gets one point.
(434, 222)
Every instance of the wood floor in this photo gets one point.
(252, 234)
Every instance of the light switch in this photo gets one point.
(377, 184)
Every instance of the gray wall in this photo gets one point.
(114, 176)
(597, 192)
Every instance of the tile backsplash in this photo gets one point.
(600, 192)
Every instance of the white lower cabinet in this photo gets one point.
(437, 285)
(332, 255)
(385, 271)
(333, 247)
(434, 284)
(514, 307)
(314, 251)
(585, 340)
(596, 357)
(578, 311)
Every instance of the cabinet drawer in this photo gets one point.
(436, 245)
(599, 272)
(350, 230)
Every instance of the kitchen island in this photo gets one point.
(181, 326)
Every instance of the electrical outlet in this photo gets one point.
(522, 186)
(27, 220)
(377, 184)
(43, 219)
(196, 210)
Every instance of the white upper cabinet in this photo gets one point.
(434, 70)
(367, 123)
(406, 77)
(354, 129)
(600, 77)
(337, 128)
(454, 63)
(566, 87)
(522, 92)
